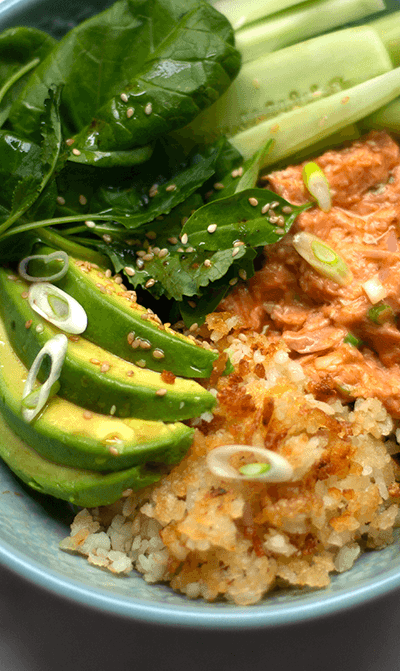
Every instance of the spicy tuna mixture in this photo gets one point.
(284, 330)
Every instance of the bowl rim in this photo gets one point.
(322, 603)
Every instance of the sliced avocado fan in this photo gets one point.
(94, 378)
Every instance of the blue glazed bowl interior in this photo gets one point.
(32, 525)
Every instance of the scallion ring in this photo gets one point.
(33, 400)
(271, 467)
(46, 258)
(58, 307)
(322, 257)
(317, 184)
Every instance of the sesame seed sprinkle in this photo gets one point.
(161, 392)
(233, 281)
(162, 253)
(107, 238)
(113, 410)
(70, 141)
(158, 354)
(124, 97)
(253, 202)
(108, 273)
(129, 271)
(173, 241)
(130, 112)
(212, 228)
(87, 414)
(148, 109)
(218, 186)
(265, 208)
(184, 239)
(150, 283)
(76, 152)
(60, 200)
(141, 363)
(235, 251)
(28, 324)
(105, 367)
(82, 199)
(207, 263)
(170, 187)
(90, 224)
(39, 328)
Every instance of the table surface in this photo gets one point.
(42, 632)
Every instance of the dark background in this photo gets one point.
(41, 632)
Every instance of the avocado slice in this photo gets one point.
(67, 434)
(113, 316)
(84, 488)
(94, 378)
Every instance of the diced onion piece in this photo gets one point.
(46, 258)
(375, 290)
(219, 463)
(317, 184)
(56, 349)
(58, 307)
(322, 257)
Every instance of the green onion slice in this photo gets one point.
(322, 257)
(257, 468)
(351, 339)
(46, 258)
(33, 400)
(58, 307)
(272, 467)
(317, 184)
(379, 314)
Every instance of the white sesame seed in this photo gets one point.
(207, 263)
(238, 243)
(105, 367)
(151, 235)
(240, 171)
(162, 253)
(242, 274)
(170, 187)
(190, 250)
(153, 191)
(130, 112)
(233, 281)
(140, 264)
(148, 257)
(141, 363)
(192, 304)
(82, 199)
(113, 410)
(39, 328)
(286, 209)
(60, 200)
(253, 202)
(235, 251)
(173, 241)
(161, 392)
(90, 224)
(70, 141)
(158, 354)
(129, 271)
(76, 152)
(148, 109)
(184, 239)
(265, 208)
(150, 283)
(107, 238)
(87, 414)
(108, 273)
(194, 327)
(124, 97)
(212, 228)
(218, 186)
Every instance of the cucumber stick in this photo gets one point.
(300, 23)
(282, 81)
(300, 128)
(242, 13)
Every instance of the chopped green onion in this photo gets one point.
(351, 339)
(322, 257)
(33, 400)
(46, 258)
(254, 469)
(317, 184)
(380, 313)
(272, 467)
(58, 307)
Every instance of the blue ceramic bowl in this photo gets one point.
(32, 525)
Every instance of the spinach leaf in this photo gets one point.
(21, 50)
(19, 160)
(32, 184)
(254, 217)
(191, 68)
(154, 195)
(133, 42)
